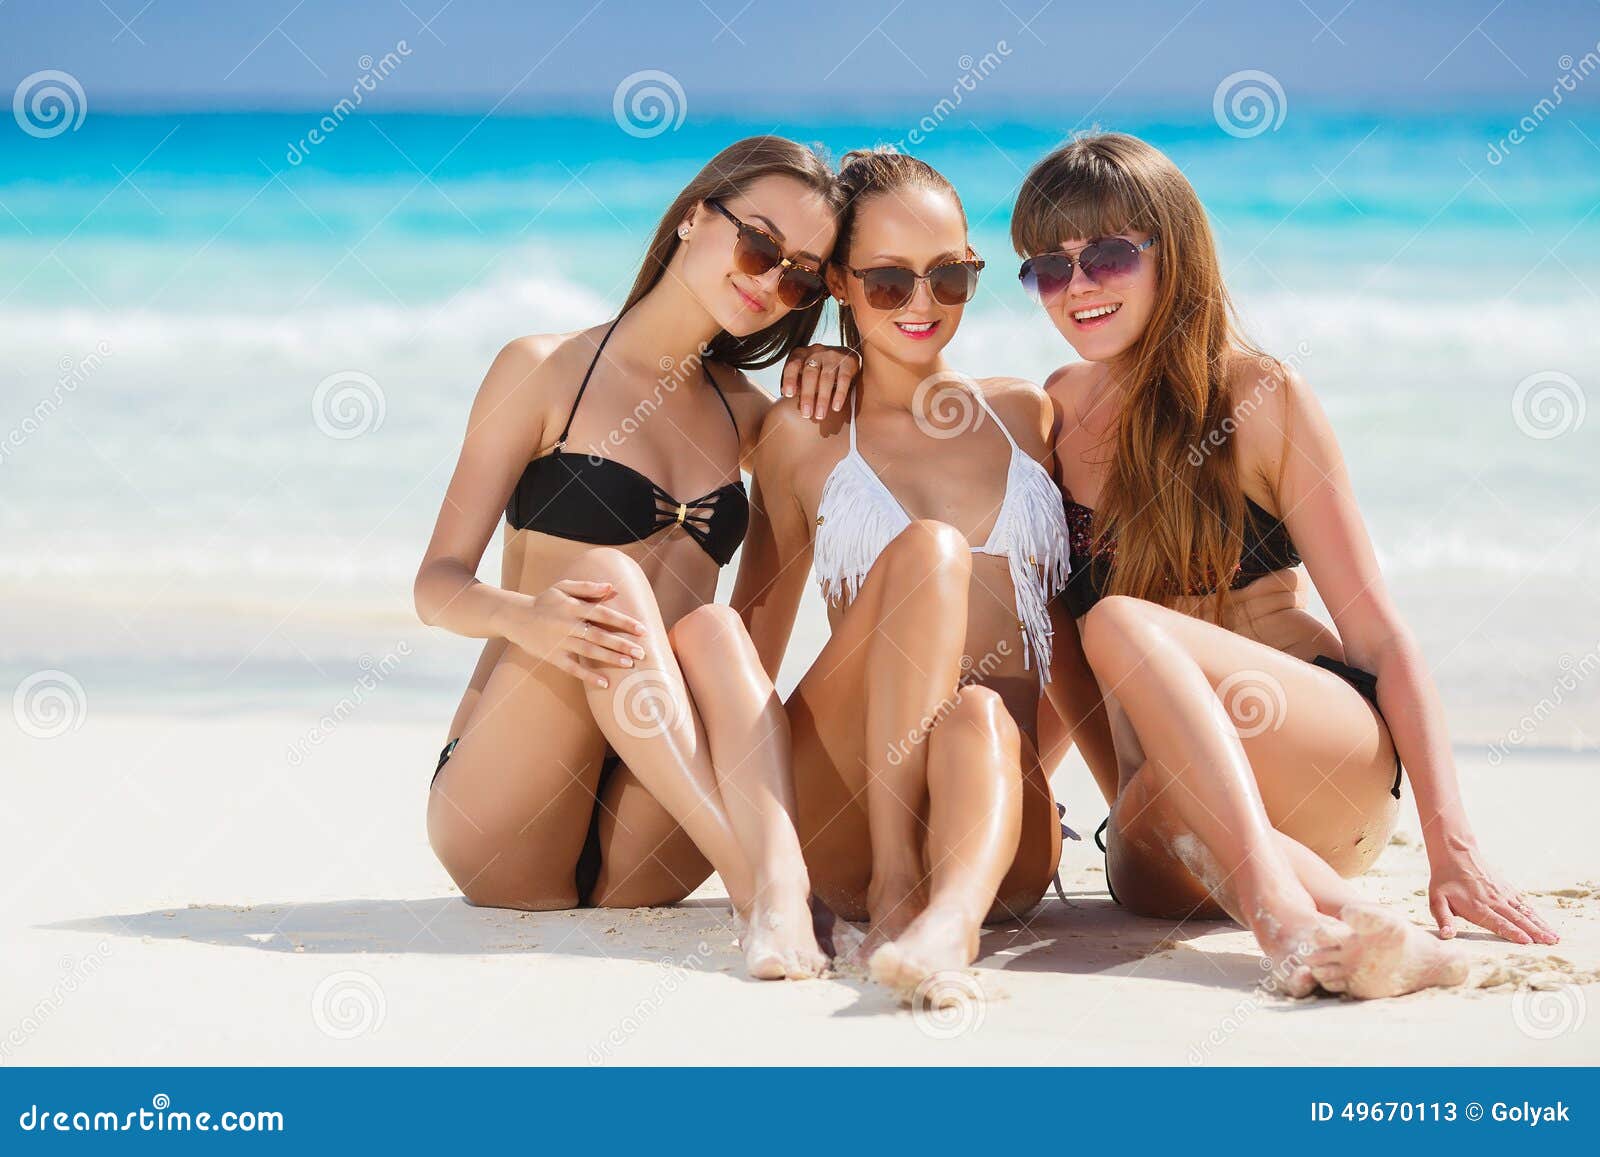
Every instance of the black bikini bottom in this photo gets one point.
(1366, 685)
(588, 869)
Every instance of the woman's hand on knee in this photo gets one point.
(569, 626)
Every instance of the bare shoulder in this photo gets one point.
(1024, 407)
(1068, 380)
(527, 364)
(1271, 403)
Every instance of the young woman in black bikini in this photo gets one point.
(1256, 756)
(625, 740)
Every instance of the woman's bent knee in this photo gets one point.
(607, 564)
(713, 628)
(983, 711)
(927, 547)
(1112, 625)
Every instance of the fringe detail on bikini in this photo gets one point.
(856, 526)
(1038, 554)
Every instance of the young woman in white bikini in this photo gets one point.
(921, 804)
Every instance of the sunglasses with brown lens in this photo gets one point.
(757, 253)
(893, 286)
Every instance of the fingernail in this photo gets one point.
(603, 684)
(638, 652)
(805, 411)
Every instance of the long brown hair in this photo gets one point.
(1172, 501)
(863, 175)
(728, 174)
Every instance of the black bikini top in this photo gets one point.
(588, 498)
(1267, 548)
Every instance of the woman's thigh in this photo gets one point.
(1322, 756)
(509, 812)
(647, 860)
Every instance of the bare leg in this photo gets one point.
(974, 823)
(751, 753)
(894, 654)
(1202, 821)
(646, 716)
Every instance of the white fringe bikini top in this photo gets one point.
(857, 516)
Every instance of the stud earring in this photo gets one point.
(683, 232)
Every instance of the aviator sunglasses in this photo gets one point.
(757, 253)
(1108, 259)
(890, 287)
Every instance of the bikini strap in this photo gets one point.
(988, 409)
(584, 385)
(705, 368)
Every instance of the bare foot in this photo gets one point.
(1385, 955)
(893, 907)
(1288, 936)
(779, 940)
(941, 939)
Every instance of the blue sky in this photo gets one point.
(867, 55)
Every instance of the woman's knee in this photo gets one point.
(710, 629)
(1116, 627)
(928, 549)
(607, 564)
(981, 712)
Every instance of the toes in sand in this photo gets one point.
(1384, 954)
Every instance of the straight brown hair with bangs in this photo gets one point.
(1178, 524)
(728, 174)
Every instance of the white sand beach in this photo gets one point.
(175, 893)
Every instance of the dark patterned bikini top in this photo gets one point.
(1267, 548)
(588, 498)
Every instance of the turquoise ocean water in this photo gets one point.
(182, 529)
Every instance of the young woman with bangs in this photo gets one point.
(1257, 756)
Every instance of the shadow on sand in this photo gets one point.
(1086, 934)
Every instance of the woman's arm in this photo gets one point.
(1290, 440)
(504, 428)
(776, 560)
